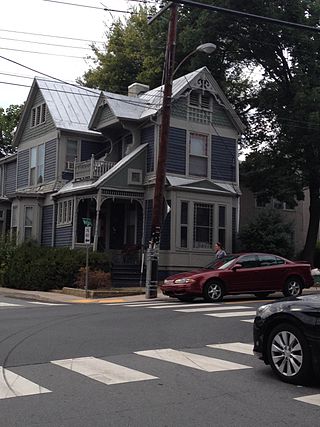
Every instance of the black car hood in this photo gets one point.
(301, 303)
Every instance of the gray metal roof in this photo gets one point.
(70, 106)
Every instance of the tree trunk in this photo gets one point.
(313, 228)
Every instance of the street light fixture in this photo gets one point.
(158, 197)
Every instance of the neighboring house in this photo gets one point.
(298, 215)
(83, 153)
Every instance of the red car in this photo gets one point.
(257, 273)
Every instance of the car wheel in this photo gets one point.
(262, 294)
(292, 287)
(288, 354)
(213, 291)
(185, 298)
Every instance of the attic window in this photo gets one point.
(38, 115)
(201, 100)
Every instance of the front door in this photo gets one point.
(117, 223)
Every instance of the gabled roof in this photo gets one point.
(70, 106)
(149, 103)
(202, 184)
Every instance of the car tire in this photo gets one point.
(288, 354)
(292, 287)
(262, 294)
(185, 298)
(213, 291)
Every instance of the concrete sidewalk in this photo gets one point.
(59, 297)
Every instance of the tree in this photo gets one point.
(8, 121)
(282, 111)
(268, 233)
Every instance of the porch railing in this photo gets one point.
(91, 169)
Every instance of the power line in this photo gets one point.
(43, 43)
(91, 7)
(245, 14)
(50, 35)
(42, 53)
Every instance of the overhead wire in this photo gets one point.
(44, 43)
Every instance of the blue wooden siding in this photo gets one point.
(166, 231)
(50, 159)
(91, 147)
(10, 178)
(176, 156)
(63, 236)
(147, 136)
(23, 168)
(223, 158)
(47, 221)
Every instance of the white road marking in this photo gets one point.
(221, 308)
(234, 314)
(196, 361)
(152, 305)
(313, 399)
(7, 304)
(184, 305)
(13, 385)
(103, 371)
(45, 303)
(248, 320)
(237, 347)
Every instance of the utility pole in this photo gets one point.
(158, 197)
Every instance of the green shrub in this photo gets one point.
(7, 249)
(267, 232)
(39, 268)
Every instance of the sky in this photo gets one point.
(47, 18)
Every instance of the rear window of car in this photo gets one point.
(269, 260)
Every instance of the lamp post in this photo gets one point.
(158, 197)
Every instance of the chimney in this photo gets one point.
(137, 88)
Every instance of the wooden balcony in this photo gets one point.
(91, 169)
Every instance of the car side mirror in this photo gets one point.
(236, 267)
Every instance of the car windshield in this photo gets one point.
(221, 263)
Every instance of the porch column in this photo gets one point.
(74, 221)
(95, 239)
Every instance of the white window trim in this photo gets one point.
(208, 156)
(24, 222)
(37, 121)
(64, 212)
(130, 173)
(36, 167)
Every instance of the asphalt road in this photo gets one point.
(140, 364)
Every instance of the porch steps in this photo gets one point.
(126, 275)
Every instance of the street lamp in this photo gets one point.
(158, 197)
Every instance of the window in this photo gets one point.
(37, 165)
(38, 115)
(203, 226)
(71, 153)
(28, 221)
(65, 212)
(14, 222)
(184, 207)
(268, 260)
(198, 155)
(248, 261)
(200, 99)
(222, 225)
(134, 176)
(283, 205)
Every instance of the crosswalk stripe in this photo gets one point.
(103, 371)
(233, 314)
(185, 305)
(221, 308)
(45, 303)
(237, 347)
(143, 305)
(196, 361)
(13, 385)
(313, 399)
(7, 304)
(248, 320)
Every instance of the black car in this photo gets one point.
(286, 335)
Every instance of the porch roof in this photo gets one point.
(203, 185)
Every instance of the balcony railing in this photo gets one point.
(91, 169)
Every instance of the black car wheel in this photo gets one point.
(185, 298)
(288, 354)
(292, 287)
(213, 291)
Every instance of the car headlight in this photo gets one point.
(184, 281)
(263, 310)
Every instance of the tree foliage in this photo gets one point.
(9, 118)
(268, 233)
(281, 111)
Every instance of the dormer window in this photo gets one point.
(38, 115)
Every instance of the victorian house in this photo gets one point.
(89, 157)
